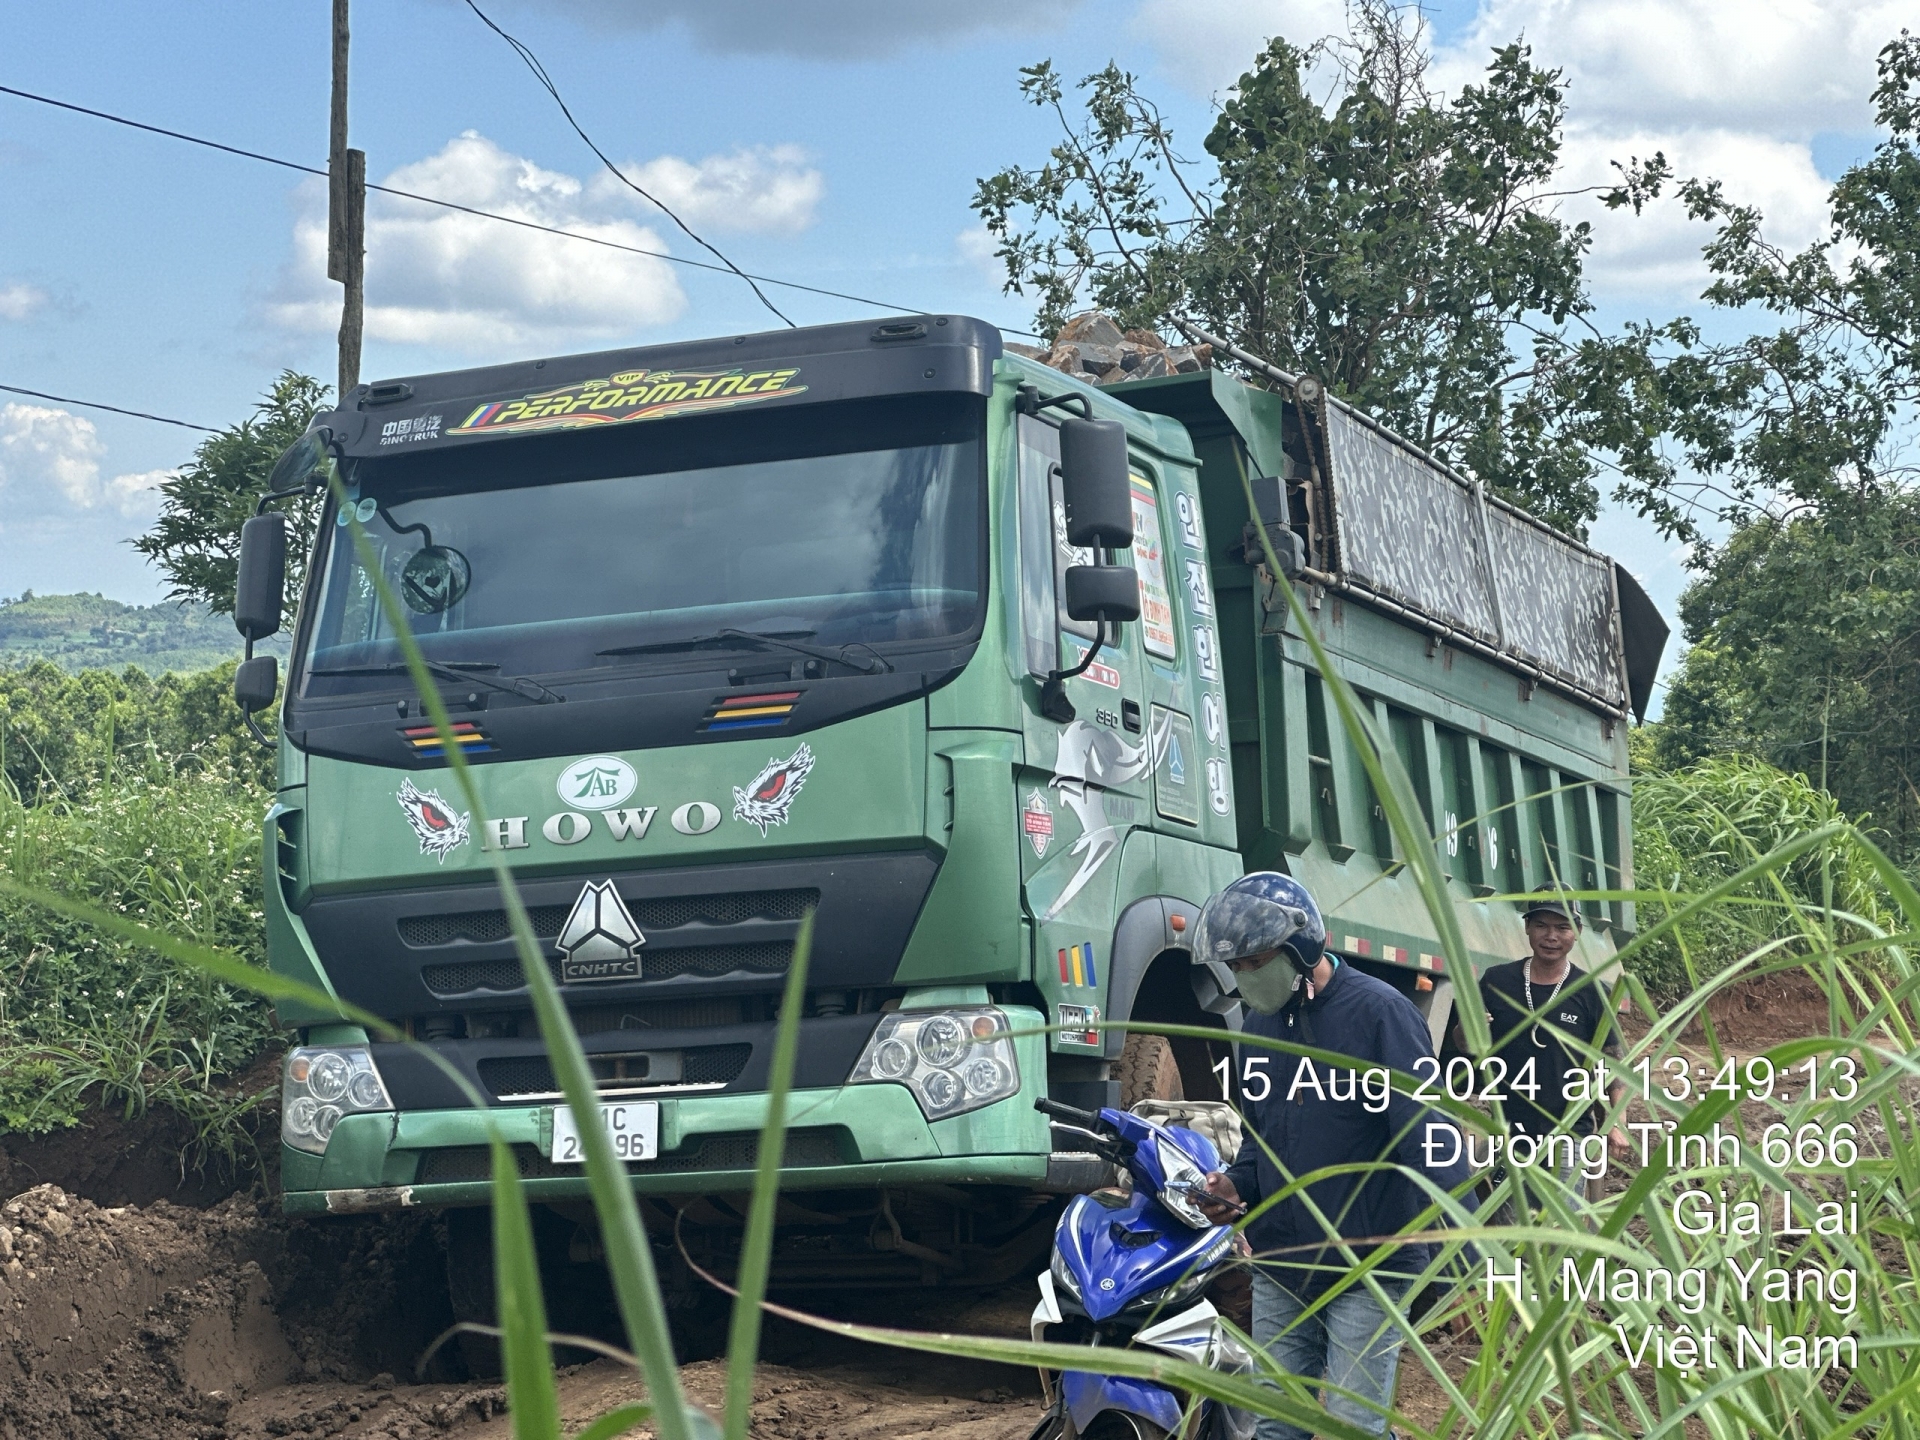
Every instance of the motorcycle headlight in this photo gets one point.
(1169, 1297)
(952, 1060)
(1172, 1297)
(1184, 1180)
(1063, 1277)
(319, 1085)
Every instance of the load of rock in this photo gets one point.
(1091, 347)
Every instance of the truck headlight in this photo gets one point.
(322, 1083)
(952, 1060)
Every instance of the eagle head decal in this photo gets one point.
(438, 828)
(767, 799)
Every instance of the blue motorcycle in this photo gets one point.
(1132, 1270)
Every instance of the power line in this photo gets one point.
(472, 210)
(546, 81)
(96, 405)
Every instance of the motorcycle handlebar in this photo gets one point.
(1085, 1119)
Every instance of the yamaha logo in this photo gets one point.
(599, 940)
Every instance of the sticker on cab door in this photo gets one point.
(1036, 820)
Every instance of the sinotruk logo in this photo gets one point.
(598, 782)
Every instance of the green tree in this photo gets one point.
(1403, 248)
(1805, 638)
(196, 539)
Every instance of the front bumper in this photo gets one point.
(849, 1136)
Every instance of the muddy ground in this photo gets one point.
(136, 1300)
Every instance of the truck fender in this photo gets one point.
(1145, 930)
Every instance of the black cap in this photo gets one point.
(1552, 902)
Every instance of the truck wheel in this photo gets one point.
(470, 1288)
(1147, 1071)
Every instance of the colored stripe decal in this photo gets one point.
(734, 712)
(1092, 978)
(735, 700)
(743, 724)
(1079, 975)
(1065, 977)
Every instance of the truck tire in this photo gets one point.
(1147, 1071)
(470, 1288)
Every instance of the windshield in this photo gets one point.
(845, 525)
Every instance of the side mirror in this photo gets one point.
(295, 468)
(1094, 483)
(262, 582)
(1107, 593)
(256, 682)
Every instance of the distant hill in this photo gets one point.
(90, 632)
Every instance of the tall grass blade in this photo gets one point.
(756, 1247)
(617, 1422)
(636, 1287)
(531, 1393)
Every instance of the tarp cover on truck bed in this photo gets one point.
(1412, 532)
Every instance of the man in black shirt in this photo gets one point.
(1534, 1008)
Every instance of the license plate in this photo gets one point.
(633, 1127)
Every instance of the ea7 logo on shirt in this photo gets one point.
(768, 799)
(1566, 1019)
(439, 830)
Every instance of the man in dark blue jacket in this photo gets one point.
(1304, 1115)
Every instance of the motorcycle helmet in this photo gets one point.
(1256, 915)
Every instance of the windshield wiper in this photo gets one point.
(458, 670)
(869, 664)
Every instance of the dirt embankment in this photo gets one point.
(167, 1322)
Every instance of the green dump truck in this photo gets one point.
(737, 630)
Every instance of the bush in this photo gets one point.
(62, 735)
(1696, 826)
(171, 839)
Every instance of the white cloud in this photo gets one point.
(1206, 45)
(820, 29)
(975, 246)
(438, 277)
(1658, 251)
(19, 300)
(50, 464)
(764, 188)
(48, 454)
(1732, 90)
(137, 494)
(1786, 68)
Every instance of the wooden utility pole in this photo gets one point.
(346, 214)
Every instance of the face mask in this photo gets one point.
(1269, 988)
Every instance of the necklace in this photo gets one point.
(1526, 978)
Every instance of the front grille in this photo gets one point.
(768, 957)
(479, 926)
(741, 1151)
(533, 1074)
(697, 1014)
(734, 908)
(477, 975)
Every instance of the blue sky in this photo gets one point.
(834, 143)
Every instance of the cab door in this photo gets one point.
(1088, 781)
